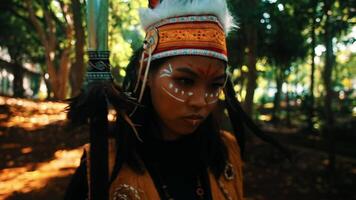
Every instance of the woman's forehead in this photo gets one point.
(196, 65)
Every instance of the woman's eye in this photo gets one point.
(217, 85)
(185, 81)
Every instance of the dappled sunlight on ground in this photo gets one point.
(39, 153)
(36, 175)
(30, 115)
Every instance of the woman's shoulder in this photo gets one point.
(231, 143)
(226, 135)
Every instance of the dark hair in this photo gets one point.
(213, 152)
(87, 105)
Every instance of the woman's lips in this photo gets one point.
(193, 119)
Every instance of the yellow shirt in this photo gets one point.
(133, 186)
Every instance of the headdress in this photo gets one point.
(183, 27)
(193, 27)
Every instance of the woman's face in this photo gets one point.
(184, 91)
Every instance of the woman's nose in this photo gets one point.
(198, 98)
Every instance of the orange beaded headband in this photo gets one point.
(186, 35)
(201, 35)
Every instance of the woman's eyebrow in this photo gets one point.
(221, 77)
(187, 70)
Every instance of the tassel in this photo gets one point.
(91, 107)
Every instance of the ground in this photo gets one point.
(40, 153)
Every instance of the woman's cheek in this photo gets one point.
(165, 105)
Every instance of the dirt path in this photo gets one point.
(39, 156)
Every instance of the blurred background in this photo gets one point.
(293, 65)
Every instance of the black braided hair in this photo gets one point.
(239, 119)
(213, 151)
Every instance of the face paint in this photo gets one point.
(180, 94)
(178, 90)
(172, 91)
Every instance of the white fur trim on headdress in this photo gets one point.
(174, 8)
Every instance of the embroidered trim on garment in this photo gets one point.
(126, 192)
(224, 190)
(229, 172)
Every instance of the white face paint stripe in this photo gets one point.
(167, 72)
(165, 75)
(213, 101)
(171, 95)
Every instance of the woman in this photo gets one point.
(176, 149)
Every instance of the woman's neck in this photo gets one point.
(168, 135)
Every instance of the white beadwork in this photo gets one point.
(224, 190)
(180, 52)
(124, 192)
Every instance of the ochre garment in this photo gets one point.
(136, 186)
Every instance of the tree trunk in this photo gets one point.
(288, 110)
(277, 96)
(327, 75)
(251, 35)
(18, 81)
(312, 74)
(63, 74)
(58, 76)
(78, 69)
(251, 83)
(18, 72)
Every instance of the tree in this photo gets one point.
(20, 41)
(283, 44)
(336, 16)
(78, 68)
(57, 50)
(246, 41)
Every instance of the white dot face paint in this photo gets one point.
(172, 90)
(212, 98)
(182, 94)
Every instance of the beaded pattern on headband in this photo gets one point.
(187, 35)
(194, 18)
(196, 52)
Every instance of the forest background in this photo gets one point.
(293, 65)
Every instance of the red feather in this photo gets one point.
(153, 3)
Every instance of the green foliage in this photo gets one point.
(283, 39)
(17, 34)
(125, 34)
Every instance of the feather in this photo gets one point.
(174, 8)
(153, 3)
